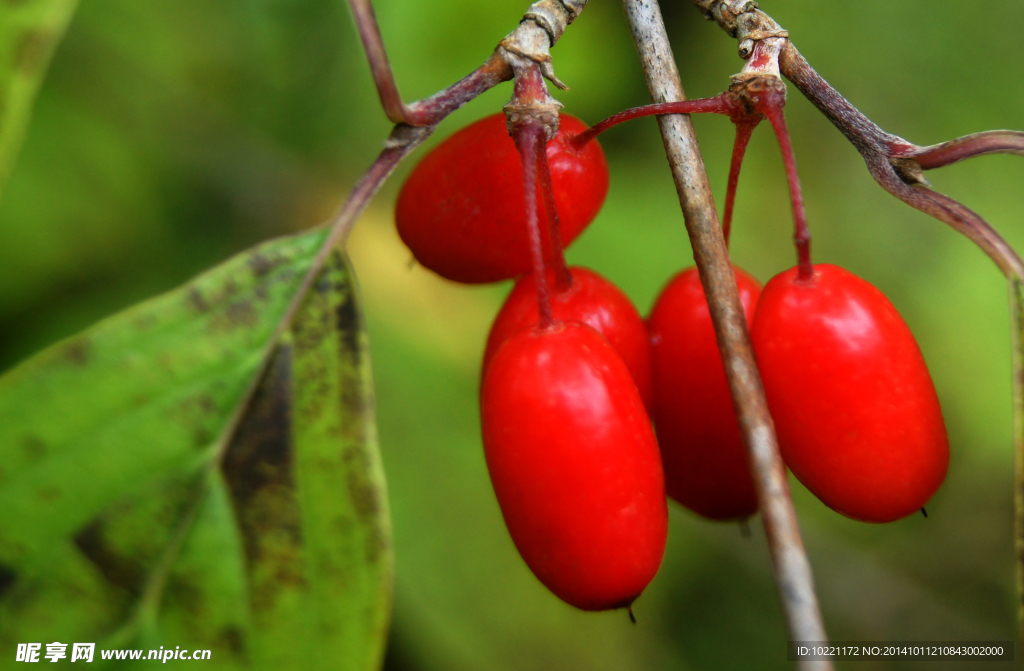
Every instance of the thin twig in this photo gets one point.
(430, 111)
(1017, 324)
(380, 67)
(969, 146)
(792, 570)
(403, 140)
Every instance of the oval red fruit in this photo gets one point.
(462, 210)
(591, 300)
(706, 465)
(575, 465)
(857, 415)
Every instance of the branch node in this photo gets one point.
(518, 114)
(741, 19)
(542, 26)
(909, 170)
(404, 135)
(553, 16)
(748, 88)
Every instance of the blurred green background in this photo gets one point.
(171, 134)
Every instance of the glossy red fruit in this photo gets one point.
(462, 211)
(856, 412)
(591, 300)
(706, 466)
(575, 465)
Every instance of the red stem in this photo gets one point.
(720, 104)
(739, 148)
(563, 278)
(528, 137)
(771, 107)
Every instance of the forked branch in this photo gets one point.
(542, 25)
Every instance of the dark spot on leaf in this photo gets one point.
(258, 467)
(78, 351)
(183, 591)
(202, 436)
(7, 579)
(261, 265)
(230, 289)
(361, 490)
(349, 324)
(31, 51)
(198, 414)
(197, 300)
(232, 639)
(239, 314)
(130, 538)
(376, 544)
(118, 569)
(48, 494)
(34, 447)
(312, 328)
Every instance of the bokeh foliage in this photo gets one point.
(169, 135)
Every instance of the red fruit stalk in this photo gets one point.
(575, 465)
(706, 465)
(857, 415)
(461, 211)
(770, 104)
(744, 129)
(753, 96)
(589, 299)
(529, 138)
(563, 278)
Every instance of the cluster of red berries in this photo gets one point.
(567, 406)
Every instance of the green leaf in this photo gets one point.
(128, 522)
(30, 31)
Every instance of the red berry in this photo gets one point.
(590, 299)
(575, 465)
(706, 466)
(462, 211)
(856, 412)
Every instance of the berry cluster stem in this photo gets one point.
(771, 107)
(528, 137)
(719, 104)
(533, 120)
(563, 278)
(744, 129)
